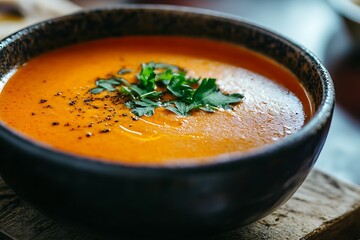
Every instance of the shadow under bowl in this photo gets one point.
(114, 199)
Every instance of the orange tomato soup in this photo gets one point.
(48, 100)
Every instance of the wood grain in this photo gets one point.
(323, 208)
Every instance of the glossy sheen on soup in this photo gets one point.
(48, 100)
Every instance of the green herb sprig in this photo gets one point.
(155, 80)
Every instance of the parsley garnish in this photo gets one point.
(155, 80)
(143, 107)
(109, 84)
(124, 71)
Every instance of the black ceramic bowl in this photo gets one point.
(182, 200)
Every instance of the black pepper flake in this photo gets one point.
(104, 131)
(55, 123)
(135, 118)
(89, 134)
(43, 100)
(124, 114)
(67, 124)
(58, 94)
(130, 125)
(72, 103)
(32, 114)
(116, 121)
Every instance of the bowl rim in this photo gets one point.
(223, 161)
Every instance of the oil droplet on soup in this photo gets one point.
(48, 100)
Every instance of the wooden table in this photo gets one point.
(323, 208)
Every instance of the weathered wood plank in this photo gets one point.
(323, 208)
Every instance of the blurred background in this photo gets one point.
(330, 29)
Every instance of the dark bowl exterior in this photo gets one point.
(182, 200)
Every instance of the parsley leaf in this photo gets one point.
(180, 108)
(109, 84)
(147, 77)
(124, 71)
(124, 90)
(179, 89)
(209, 94)
(142, 107)
(96, 90)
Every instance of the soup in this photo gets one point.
(50, 100)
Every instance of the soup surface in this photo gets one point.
(48, 100)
